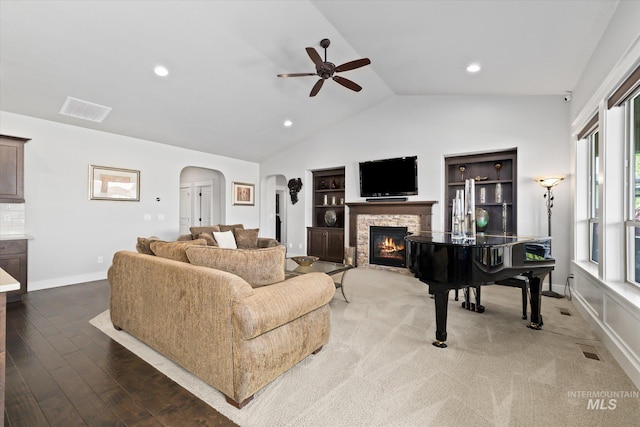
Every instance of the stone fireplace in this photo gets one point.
(415, 216)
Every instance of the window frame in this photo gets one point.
(593, 141)
(632, 222)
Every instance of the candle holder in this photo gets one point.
(462, 168)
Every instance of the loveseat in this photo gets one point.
(236, 334)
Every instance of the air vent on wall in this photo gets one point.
(84, 110)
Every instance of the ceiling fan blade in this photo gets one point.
(353, 65)
(316, 87)
(347, 83)
(297, 74)
(315, 56)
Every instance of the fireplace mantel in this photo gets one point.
(421, 208)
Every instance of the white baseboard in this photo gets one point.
(65, 281)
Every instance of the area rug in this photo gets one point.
(380, 369)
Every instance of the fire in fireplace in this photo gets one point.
(386, 246)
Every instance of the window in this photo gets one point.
(633, 194)
(594, 223)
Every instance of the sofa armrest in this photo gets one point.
(267, 242)
(275, 305)
(184, 237)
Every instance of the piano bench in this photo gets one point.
(518, 282)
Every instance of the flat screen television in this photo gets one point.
(389, 177)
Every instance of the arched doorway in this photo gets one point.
(201, 197)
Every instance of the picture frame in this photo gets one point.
(243, 194)
(108, 183)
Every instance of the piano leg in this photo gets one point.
(536, 296)
(441, 300)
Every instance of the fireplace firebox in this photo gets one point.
(387, 246)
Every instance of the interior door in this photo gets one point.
(185, 209)
(206, 205)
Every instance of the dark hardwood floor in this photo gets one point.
(62, 371)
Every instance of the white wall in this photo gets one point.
(608, 302)
(433, 127)
(69, 232)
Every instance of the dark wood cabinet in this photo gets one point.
(326, 243)
(12, 169)
(496, 187)
(325, 239)
(13, 260)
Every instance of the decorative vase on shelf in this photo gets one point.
(498, 193)
(482, 219)
(330, 218)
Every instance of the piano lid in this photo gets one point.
(482, 239)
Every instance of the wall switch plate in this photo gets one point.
(100, 260)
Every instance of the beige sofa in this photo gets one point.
(233, 336)
(245, 238)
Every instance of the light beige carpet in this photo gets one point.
(380, 369)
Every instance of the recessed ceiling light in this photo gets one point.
(473, 68)
(161, 71)
(288, 123)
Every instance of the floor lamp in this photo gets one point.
(548, 182)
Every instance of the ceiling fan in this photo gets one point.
(325, 69)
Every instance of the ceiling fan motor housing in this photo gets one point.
(326, 70)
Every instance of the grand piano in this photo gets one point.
(444, 264)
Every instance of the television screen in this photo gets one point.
(389, 177)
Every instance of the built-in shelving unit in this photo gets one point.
(325, 238)
(494, 172)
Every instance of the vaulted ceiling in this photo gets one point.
(222, 95)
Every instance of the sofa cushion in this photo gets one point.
(225, 239)
(229, 227)
(195, 231)
(258, 267)
(246, 239)
(174, 250)
(143, 245)
(209, 238)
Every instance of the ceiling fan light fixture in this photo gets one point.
(473, 68)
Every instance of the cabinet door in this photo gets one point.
(11, 170)
(335, 246)
(316, 242)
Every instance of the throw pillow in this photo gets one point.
(246, 239)
(175, 250)
(209, 238)
(195, 231)
(259, 267)
(225, 239)
(143, 244)
(230, 227)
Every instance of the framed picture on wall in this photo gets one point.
(107, 183)
(243, 194)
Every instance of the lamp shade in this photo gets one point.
(549, 181)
